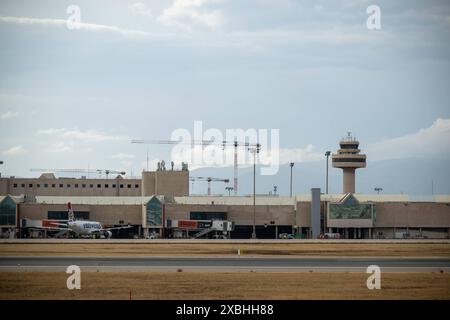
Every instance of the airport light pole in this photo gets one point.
(291, 165)
(254, 151)
(229, 189)
(327, 154)
(378, 190)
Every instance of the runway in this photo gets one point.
(221, 264)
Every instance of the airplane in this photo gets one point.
(83, 228)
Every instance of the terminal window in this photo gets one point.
(68, 186)
(83, 186)
(30, 185)
(99, 186)
(349, 146)
(106, 185)
(121, 186)
(76, 185)
(8, 212)
(15, 185)
(60, 185)
(136, 186)
(63, 215)
(53, 185)
(154, 212)
(23, 185)
(349, 160)
(208, 216)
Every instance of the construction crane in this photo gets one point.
(209, 180)
(223, 144)
(99, 171)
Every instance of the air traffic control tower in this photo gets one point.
(349, 159)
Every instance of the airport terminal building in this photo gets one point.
(159, 205)
(353, 216)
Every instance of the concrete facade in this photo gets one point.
(172, 183)
(413, 215)
(239, 214)
(349, 181)
(169, 183)
(393, 218)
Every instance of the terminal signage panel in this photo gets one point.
(350, 208)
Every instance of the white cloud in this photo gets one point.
(294, 36)
(125, 160)
(9, 115)
(89, 135)
(318, 8)
(354, 3)
(59, 147)
(123, 156)
(51, 131)
(306, 154)
(15, 151)
(140, 8)
(433, 141)
(187, 13)
(92, 27)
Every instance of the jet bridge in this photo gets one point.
(194, 229)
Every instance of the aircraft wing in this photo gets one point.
(60, 224)
(116, 228)
(49, 228)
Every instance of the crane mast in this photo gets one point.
(209, 180)
(223, 144)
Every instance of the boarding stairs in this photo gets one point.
(203, 232)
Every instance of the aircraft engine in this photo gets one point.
(108, 234)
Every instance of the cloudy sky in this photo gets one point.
(73, 98)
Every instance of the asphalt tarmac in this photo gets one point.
(223, 264)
